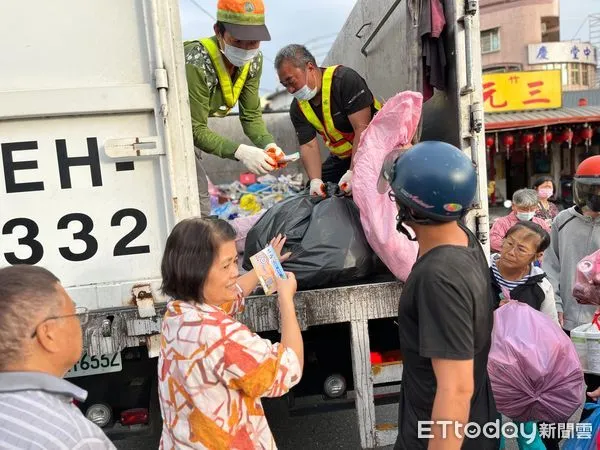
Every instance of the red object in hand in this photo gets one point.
(280, 163)
(247, 178)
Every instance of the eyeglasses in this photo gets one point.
(519, 250)
(81, 312)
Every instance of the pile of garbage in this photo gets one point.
(250, 195)
(243, 202)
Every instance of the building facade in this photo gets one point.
(523, 35)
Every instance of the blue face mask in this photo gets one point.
(305, 93)
(525, 216)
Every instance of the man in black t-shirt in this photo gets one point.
(334, 102)
(445, 313)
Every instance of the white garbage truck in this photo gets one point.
(98, 165)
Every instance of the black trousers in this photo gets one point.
(334, 168)
(592, 382)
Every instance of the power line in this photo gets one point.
(325, 36)
(581, 26)
(193, 2)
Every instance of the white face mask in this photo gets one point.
(238, 56)
(305, 93)
(525, 216)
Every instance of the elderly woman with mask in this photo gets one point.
(546, 210)
(212, 370)
(524, 205)
(515, 276)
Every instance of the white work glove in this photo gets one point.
(345, 183)
(317, 188)
(255, 159)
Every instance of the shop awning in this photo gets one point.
(530, 119)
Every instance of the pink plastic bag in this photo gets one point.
(394, 126)
(587, 282)
(241, 226)
(533, 366)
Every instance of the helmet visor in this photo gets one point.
(587, 194)
(386, 176)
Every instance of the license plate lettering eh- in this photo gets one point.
(80, 235)
(95, 365)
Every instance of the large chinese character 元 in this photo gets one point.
(587, 52)
(542, 53)
(575, 52)
(488, 94)
(534, 92)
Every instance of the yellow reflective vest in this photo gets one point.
(231, 92)
(338, 142)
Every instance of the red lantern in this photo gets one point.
(508, 140)
(567, 135)
(489, 142)
(587, 133)
(544, 139)
(526, 140)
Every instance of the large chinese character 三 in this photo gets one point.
(534, 92)
(488, 94)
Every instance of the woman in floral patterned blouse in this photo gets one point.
(546, 209)
(212, 369)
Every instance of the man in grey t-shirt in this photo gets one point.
(40, 340)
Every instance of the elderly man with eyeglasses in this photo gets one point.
(40, 340)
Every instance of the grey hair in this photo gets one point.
(27, 293)
(298, 55)
(527, 198)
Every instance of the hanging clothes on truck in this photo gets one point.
(432, 24)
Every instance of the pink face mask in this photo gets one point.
(545, 193)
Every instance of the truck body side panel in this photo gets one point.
(95, 138)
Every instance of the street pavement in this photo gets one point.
(313, 431)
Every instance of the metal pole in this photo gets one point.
(379, 26)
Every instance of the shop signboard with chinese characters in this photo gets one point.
(522, 91)
(562, 52)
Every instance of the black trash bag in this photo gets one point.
(325, 237)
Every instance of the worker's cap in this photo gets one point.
(244, 19)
